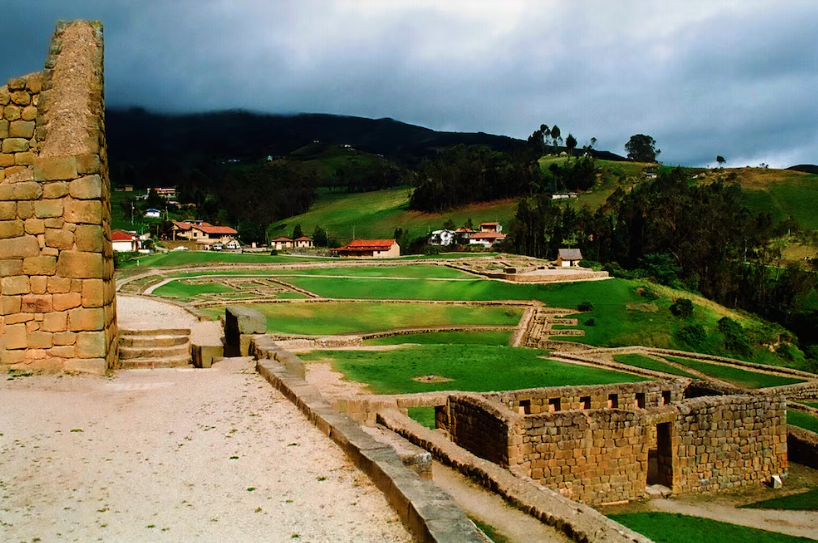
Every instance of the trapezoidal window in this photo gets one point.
(585, 402)
(525, 407)
(553, 404)
(665, 397)
(640, 400)
(613, 401)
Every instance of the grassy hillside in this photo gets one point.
(377, 215)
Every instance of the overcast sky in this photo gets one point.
(737, 78)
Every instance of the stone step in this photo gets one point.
(128, 353)
(155, 332)
(159, 362)
(152, 341)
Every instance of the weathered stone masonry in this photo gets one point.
(573, 440)
(57, 295)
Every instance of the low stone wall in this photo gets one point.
(802, 446)
(548, 278)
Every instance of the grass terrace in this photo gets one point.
(203, 258)
(802, 420)
(356, 318)
(804, 501)
(673, 528)
(474, 368)
(736, 376)
(648, 363)
(445, 338)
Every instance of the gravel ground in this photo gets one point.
(175, 455)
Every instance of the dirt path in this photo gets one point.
(135, 312)
(175, 455)
(490, 509)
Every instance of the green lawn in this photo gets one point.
(805, 501)
(811, 404)
(356, 318)
(183, 291)
(802, 420)
(442, 338)
(413, 272)
(641, 361)
(423, 415)
(783, 193)
(199, 258)
(736, 376)
(672, 528)
(377, 215)
(476, 368)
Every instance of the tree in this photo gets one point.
(571, 144)
(468, 224)
(319, 237)
(642, 148)
(682, 308)
(297, 232)
(449, 225)
(555, 137)
(720, 159)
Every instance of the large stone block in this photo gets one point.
(80, 320)
(55, 322)
(8, 211)
(20, 98)
(88, 164)
(11, 267)
(40, 265)
(39, 340)
(37, 303)
(65, 338)
(69, 300)
(242, 320)
(55, 169)
(15, 145)
(97, 366)
(48, 209)
(10, 358)
(59, 285)
(93, 293)
(59, 239)
(35, 226)
(58, 189)
(4, 128)
(83, 211)
(24, 159)
(12, 112)
(18, 284)
(10, 305)
(39, 284)
(5, 98)
(87, 188)
(90, 238)
(21, 129)
(15, 336)
(28, 190)
(25, 210)
(91, 345)
(20, 247)
(11, 229)
(29, 113)
(79, 265)
(34, 82)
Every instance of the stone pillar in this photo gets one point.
(57, 292)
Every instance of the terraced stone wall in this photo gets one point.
(595, 454)
(57, 310)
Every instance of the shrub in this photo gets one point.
(735, 337)
(648, 294)
(589, 264)
(694, 335)
(787, 351)
(682, 308)
(590, 322)
(121, 258)
(615, 270)
(586, 306)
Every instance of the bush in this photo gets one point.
(682, 308)
(586, 306)
(121, 258)
(648, 294)
(592, 264)
(694, 335)
(615, 270)
(735, 337)
(787, 351)
(590, 322)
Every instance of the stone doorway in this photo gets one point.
(660, 457)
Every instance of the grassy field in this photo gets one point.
(811, 404)
(201, 258)
(736, 376)
(446, 338)
(378, 214)
(672, 528)
(182, 291)
(356, 318)
(805, 501)
(476, 368)
(802, 420)
(783, 193)
(649, 363)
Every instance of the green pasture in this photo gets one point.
(445, 338)
(802, 420)
(358, 318)
(811, 404)
(673, 528)
(377, 215)
(736, 376)
(423, 415)
(782, 193)
(182, 291)
(476, 368)
(641, 361)
(804, 501)
(202, 258)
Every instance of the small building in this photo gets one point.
(166, 192)
(567, 258)
(128, 188)
(495, 227)
(442, 237)
(370, 248)
(281, 242)
(203, 232)
(153, 214)
(233, 245)
(485, 239)
(303, 242)
(463, 234)
(125, 242)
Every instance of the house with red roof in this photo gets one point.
(125, 242)
(282, 242)
(370, 248)
(203, 232)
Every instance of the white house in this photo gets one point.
(442, 237)
(153, 214)
(125, 242)
(486, 239)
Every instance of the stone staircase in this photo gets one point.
(158, 348)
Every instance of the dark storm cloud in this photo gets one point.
(735, 78)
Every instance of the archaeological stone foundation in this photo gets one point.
(57, 295)
(601, 444)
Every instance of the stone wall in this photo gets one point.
(568, 439)
(56, 262)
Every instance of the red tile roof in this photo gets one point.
(488, 235)
(121, 235)
(209, 229)
(182, 225)
(368, 245)
(303, 238)
(281, 238)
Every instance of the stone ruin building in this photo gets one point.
(603, 444)
(57, 292)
